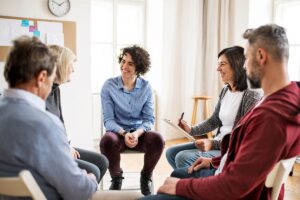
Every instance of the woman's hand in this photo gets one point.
(184, 125)
(200, 163)
(75, 154)
(204, 144)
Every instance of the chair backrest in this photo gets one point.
(278, 176)
(22, 186)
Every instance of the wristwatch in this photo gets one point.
(123, 134)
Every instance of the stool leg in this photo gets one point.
(206, 115)
(292, 172)
(195, 108)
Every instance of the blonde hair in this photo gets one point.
(64, 57)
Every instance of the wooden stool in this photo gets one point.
(206, 110)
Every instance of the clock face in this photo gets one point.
(59, 7)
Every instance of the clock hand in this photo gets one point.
(61, 3)
(55, 2)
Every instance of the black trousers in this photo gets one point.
(92, 162)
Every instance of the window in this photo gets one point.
(287, 15)
(114, 25)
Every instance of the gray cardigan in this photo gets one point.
(249, 99)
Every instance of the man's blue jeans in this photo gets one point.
(163, 197)
(181, 173)
(184, 155)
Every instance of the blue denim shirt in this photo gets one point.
(127, 109)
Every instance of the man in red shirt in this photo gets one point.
(269, 133)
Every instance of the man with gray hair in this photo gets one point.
(267, 134)
(30, 137)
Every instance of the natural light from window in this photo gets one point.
(114, 25)
(287, 15)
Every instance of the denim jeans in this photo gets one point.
(163, 197)
(183, 173)
(184, 155)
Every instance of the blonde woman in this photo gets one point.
(90, 161)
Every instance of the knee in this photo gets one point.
(180, 159)
(175, 174)
(108, 141)
(104, 162)
(180, 173)
(179, 156)
(170, 153)
(155, 139)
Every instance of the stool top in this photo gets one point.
(203, 97)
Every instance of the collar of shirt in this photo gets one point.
(29, 97)
(138, 83)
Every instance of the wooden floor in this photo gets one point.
(133, 162)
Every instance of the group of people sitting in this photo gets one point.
(255, 128)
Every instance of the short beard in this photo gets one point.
(253, 83)
(254, 79)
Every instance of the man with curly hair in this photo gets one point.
(127, 105)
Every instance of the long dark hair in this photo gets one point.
(236, 58)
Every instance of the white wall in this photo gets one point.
(260, 12)
(76, 96)
(239, 21)
(249, 14)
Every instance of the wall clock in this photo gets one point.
(59, 8)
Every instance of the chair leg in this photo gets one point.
(152, 187)
(291, 172)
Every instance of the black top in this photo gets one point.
(53, 103)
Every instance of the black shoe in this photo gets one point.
(145, 182)
(116, 182)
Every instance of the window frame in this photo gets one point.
(277, 19)
(98, 126)
(115, 45)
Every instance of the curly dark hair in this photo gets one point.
(236, 58)
(27, 58)
(140, 58)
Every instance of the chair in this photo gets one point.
(116, 195)
(292, 170)
(206, 110)
(22, 186)
(129, 151)
(126, 173)
(278, 176)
